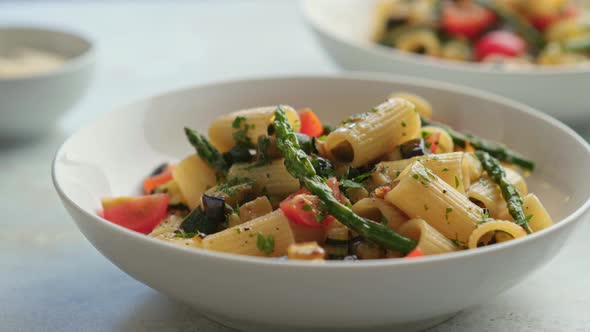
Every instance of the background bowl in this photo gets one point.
(111, 156)
(345, 27)
(31, 105)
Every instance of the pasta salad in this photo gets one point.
(386, 183)
(545, 32)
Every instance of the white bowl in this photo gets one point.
(344, 28)
(111, 156)
(31, 105)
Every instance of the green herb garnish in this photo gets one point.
(241, 134)
(265, 244)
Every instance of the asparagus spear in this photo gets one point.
(492, 166)
(207, 152)
(498, 151)
(300, 167)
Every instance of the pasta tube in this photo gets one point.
(272, 178)
(540, 218)
(423, 41)
(366, 137)
(246, 125)
(193, 176)
(423, 106)
(430, 241)
(378, 210)
(254, 209)
(509, 229)
(447, 166)
(445, 142)
(244, 239)
(485, 192)
(421, 194)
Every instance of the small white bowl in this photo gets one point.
(345, 27)
(110, 157)
(31, 105)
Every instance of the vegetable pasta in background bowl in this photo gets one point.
(356, 180)
(542, 32)
(518, 49)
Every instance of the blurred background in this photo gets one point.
(51, 279)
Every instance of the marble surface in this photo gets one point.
(51, 279)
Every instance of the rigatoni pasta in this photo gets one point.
(447, 166)
(275, 182)
(419, 193)
(366, 137)
(430, 241)
(245, 126)
(271, 178)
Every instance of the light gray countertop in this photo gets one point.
(51, 279)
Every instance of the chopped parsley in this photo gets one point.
(241, 134)
(355, 118)
(266, 244)
(456, 182)
(229, 187)
(354, 179)
(446, 169)
(307, 207)
(347, 184)
(404, 124)
(425, 207)
(459, 244)
(424, 176)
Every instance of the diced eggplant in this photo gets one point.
(413, 148)
(395, 22)
(237, 154)
(159, 170)
(197, 222)
(214, 208)
(233, 193)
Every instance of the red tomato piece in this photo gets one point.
(543, 21)
(141, 214)
(503, 43)
(335, 186)
(415, 253)
(151, 183)
(466, 19)
(303, 209)
(310, 123)
(433, 140)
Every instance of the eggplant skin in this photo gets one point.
(159, 170)
(208, 219)
(214, 208)
(413, 148)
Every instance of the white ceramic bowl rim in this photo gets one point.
(71, 63)
(382, 50)
(538, 236)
